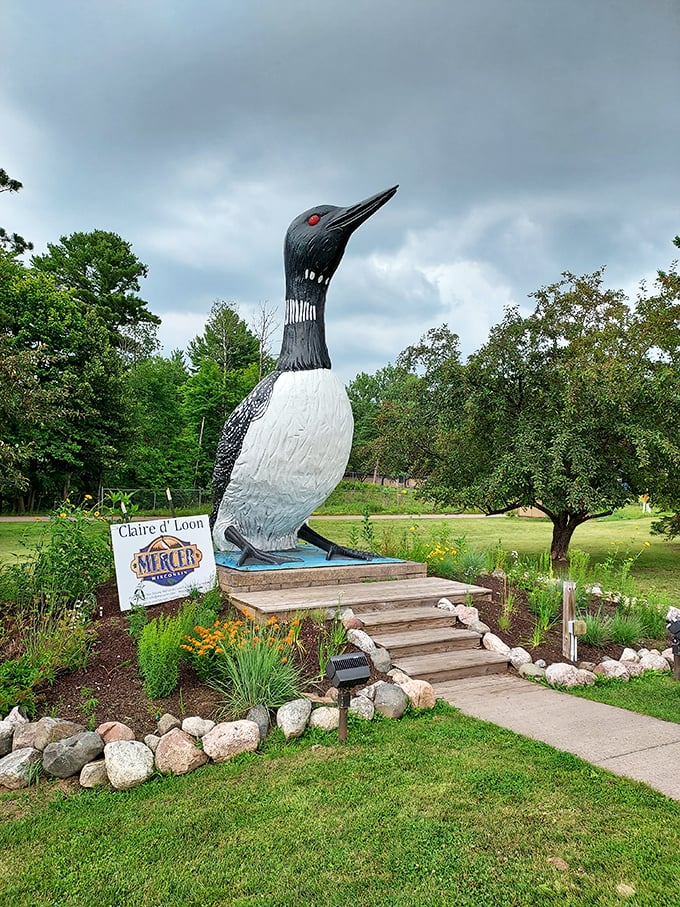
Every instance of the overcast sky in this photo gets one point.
(528, 137)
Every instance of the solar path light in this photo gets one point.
(673, 627)
(344, 672)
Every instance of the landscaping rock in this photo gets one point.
(466, 614)
(629, 655)
(369, 691)
(16, 717)
(152, 741)
(6, 737)
(531, 671)
(16, 768)
(519, 656)
(478, 626)
(66, 758)
(566, 675)
(362, 707)
(420, 692)
(353, 623)
(635, 669)
(672, 614)
(495, 644)
(33, 734)
(197, 726)
(325, 718)
(332, 693)
(292, 717)
(260, 715)
(38, 734)
(230, 738)
(446, 605)
(128, 763)
(668, 655)
(587, 665)
(381, 660)
(362, 641)
(167, 722)
(541, 663)
(113, 731)
(655, 662)
(612, 669)
(178, 754)
(390, 700)
(94, 775)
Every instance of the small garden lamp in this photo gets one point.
(673, 627)
(344, 671)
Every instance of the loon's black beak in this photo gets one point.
(348, 219)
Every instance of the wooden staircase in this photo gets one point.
(400, 615)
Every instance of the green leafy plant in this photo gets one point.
(598, 630)
(248, 663)
(626, 628)
(88, 707)
(545, 605)
(137, 618)
(332, 641)
(159, 655)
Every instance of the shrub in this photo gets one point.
(247, 663)
(160, 650)
(598, 630)
(545, 605)
(626, 628)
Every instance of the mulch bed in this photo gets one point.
(113, 680)
(112, 676)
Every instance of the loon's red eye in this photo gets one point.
(313, 220)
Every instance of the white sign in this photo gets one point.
(160, 560)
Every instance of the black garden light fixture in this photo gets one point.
(673, 627)
(344, 671)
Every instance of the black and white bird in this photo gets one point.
(285, 447)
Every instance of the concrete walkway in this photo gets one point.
(635, 746)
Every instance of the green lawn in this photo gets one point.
(438, 809)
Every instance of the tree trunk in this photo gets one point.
(564, 525)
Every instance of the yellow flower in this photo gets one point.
(88, 497)
(647, 544)
(63, 516)
(96, 513)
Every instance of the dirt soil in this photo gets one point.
(113, 680)
(112, 676)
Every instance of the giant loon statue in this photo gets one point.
(285, 447)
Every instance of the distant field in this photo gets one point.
(656, 567)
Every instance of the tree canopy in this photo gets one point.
(566, 409)
(104, 274)
(11, 242)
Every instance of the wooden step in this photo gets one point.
(361, 597)
(426, 641)
(405, 619)
(452, 665)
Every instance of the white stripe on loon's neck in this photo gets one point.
(304, 331)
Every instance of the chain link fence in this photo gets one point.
(156, 500)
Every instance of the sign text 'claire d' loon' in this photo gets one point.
(153, 558)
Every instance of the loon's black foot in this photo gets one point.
(252, 556)
(332, 550)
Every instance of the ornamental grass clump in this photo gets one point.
(247, 662)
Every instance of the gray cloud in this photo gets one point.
(527, 137)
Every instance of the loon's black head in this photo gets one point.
(316, 240)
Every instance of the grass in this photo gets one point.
(652, 694)
(437, 809)
(355, 497)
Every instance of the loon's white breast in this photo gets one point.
(292, 457)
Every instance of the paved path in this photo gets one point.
(636, 746)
